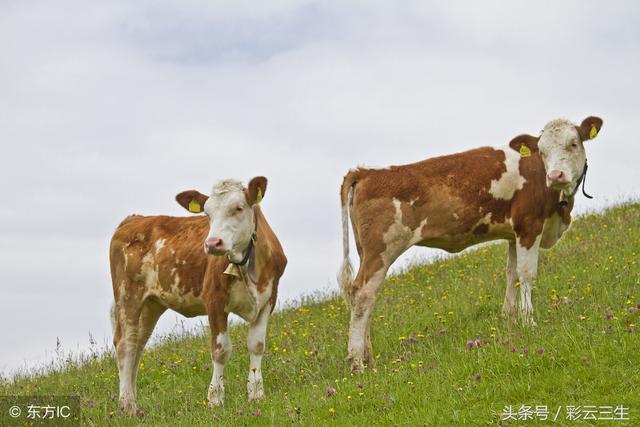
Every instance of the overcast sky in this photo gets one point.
(111, 108)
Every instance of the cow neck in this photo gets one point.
(564, 200)
(252, 243)
(245, 269)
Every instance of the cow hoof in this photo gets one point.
(216, 403)
(508, 312)
(128, 407)
(357, 366)
(257, 396)
(216, 397)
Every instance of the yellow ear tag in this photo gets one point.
(593, 132)
(259, 196)
(525, 151)
(194, 206)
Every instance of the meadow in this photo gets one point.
(444, 356)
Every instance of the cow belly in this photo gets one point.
(245, 300)
(459, 242)
(186, 304)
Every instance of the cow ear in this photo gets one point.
(192, 200)
(525, 145)
(589, 127)
(255, 191)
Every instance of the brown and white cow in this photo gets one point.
(522, 192)
(228, 261)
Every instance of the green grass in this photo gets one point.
(425, 373)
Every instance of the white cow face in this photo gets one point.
(562, 151)
(229, 209)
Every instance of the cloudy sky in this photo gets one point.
(111, 108)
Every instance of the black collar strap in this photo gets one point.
(251, 246)
(581, 180)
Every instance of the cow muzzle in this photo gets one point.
(557, 179)
(214, 246)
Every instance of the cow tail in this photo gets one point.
(345, 274)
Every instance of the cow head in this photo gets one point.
(562, 151)
(230, 212)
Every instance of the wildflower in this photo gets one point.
(140, 412)
(608, 314)
(469, 343)
(332, 410)
(331, 391)
(525, 350)
(256, 413)
(513, 350)
(540, 350)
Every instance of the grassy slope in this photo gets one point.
(425, 372)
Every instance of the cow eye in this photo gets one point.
(239, 209)
(574, 144)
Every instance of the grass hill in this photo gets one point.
(444, 355)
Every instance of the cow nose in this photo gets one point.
(556, 176)
(213, 243)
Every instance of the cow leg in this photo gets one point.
(509, 306)
(221, 352)
(368, 349)
(527, 261)
(364, 300)
(149, 315)
(125, 340)
(255, 345)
